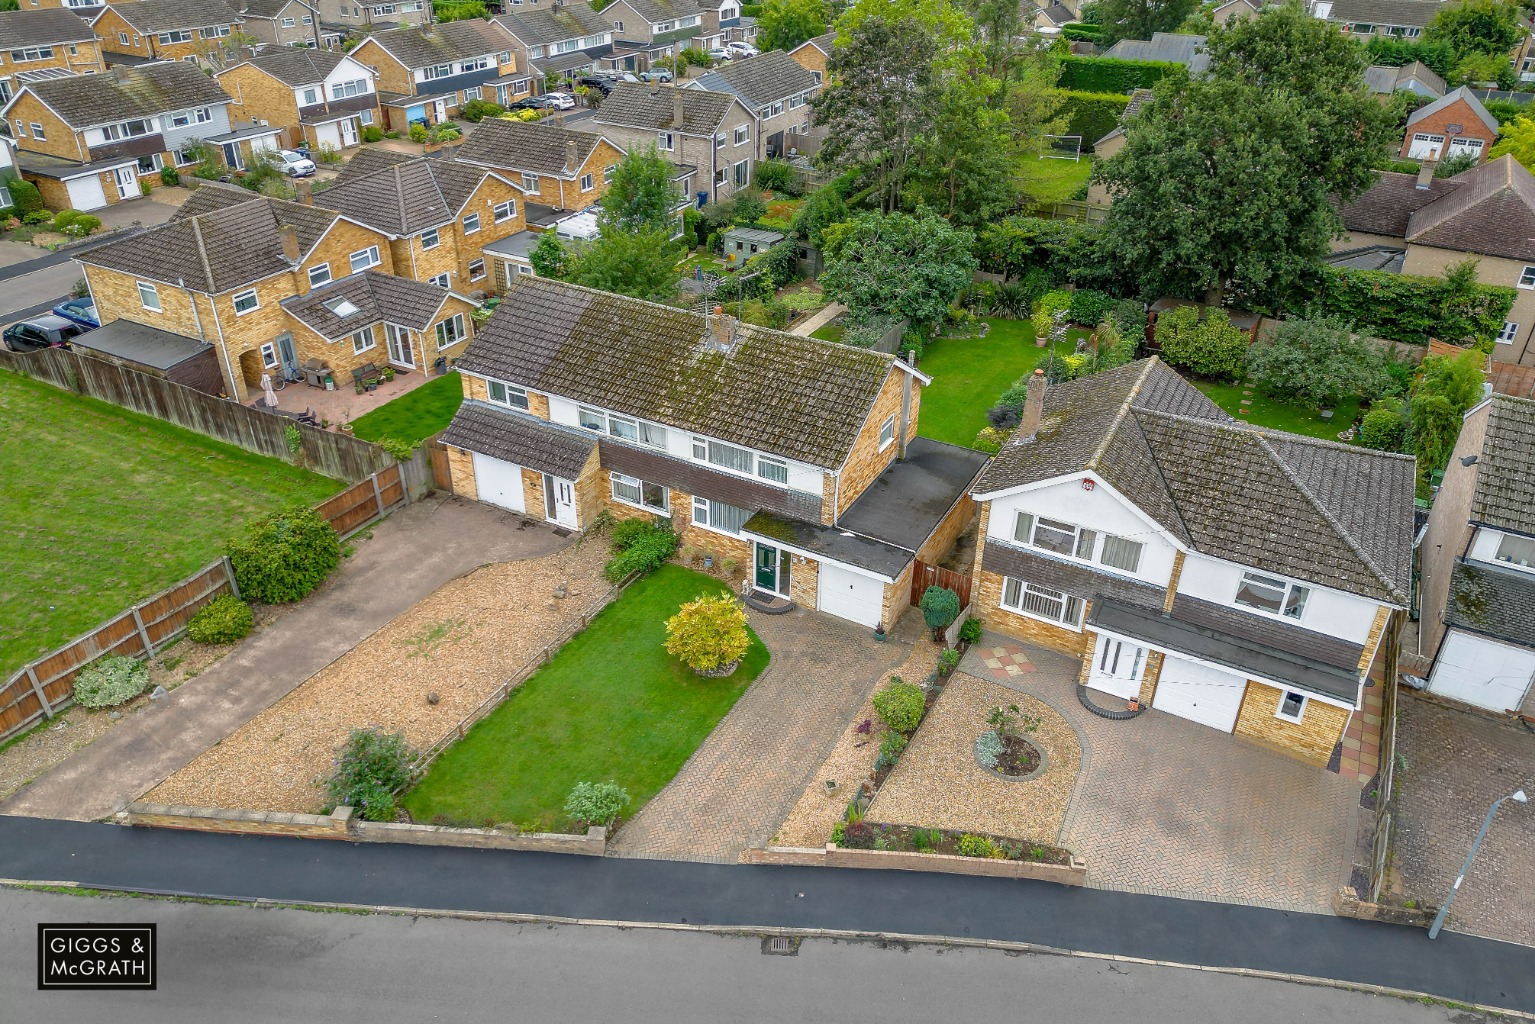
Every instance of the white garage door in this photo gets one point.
(849, 595)
(1489, 675)
(1199, 693)
(499, 483)
(86, 193)
(327, 135)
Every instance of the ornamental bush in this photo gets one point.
(373, 133)
(223, 620)
(972, 845)
(285, 555)
(889, 751)
(857, 835)
(940, 607)
(1211, 347)
(1384, 427)
(371, 767)
(989, 748)
(641, 546)
(900, 706)
(596, 803)
(776, 176)
(108, 682)
(708, 633)
(1089, 308)
(25, 197)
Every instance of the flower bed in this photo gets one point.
(909, 839)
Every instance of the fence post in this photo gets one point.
(229, 571)
(138, 621)
(378, 495)
(37, 688)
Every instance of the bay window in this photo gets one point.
(1041, 602)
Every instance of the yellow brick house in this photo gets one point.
(46, 42)
(319, 98)
(426, 72)
(1238, 577)
(151, 30)
(795, 462)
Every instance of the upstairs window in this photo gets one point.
(365, 258)
(149, 296)
(430, 239)
(1274, 596)
(1518, 551)
(246, 302)
(1073, 541)
(505, 211)
(319, 275)
(471, 223)
(507, 394)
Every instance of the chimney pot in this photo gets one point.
(1426, 171)
(290, 249)
(1033, 406)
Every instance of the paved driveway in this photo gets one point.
(1456, 764)
(739, 786)
(1168, 807)
(410, 555)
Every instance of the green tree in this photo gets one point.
(1477, 26)
(942, 20)
(1208, 346)
(1476, 68)
(1446, 388)
(1518, 141)
(548, 256)
(821, 209)
(642, 195)
(898, 264)
(1318, 362)
(642, 264)
(9, 5)
(785, 24)
(964, 165)
(1138, 19)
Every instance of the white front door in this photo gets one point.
(439, 111)
(849, 595)
(401, 352)
(560, 501)
(127, 181)
(498, 483)
(1117, 667)
(349, 132)
(1199, 693)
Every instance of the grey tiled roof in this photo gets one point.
(791, 396)
(1326, 513)
(1165, 46)
(164, 15)
(1491, 213)
(214, 247)
(379, 298)
(1450, 99)
(1386, 206)
(295, 65)
(1407, 13)
(1385, 79)
(655, 11)
(1504, 498)
(124, 92)
(419, 46)
(408, 197)
(542, 27)
(265, 8)
(42, 28)
(824, 43)
(1492, 601)
(760, 80)
(519, 438)
(530, 146)
(637, 105)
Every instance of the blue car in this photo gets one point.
(80, 311)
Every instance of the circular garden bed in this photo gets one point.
(1010, 757)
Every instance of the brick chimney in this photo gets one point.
(1426, 172)
(1033, 406)
(305, 189)
(572, 155)
(290, 249)
(722, 330)
(676, 107)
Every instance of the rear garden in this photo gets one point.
(416, 415)
(113, 506)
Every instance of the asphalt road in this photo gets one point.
(1457, 967)
(228, 965)
(36, 292)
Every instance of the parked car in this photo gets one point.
(561, 101)
(44, 331)
(656, 75)
(742, 48)
(722, 53)
(531, 103)
(80, 311)
(602, 85)
(295, 165)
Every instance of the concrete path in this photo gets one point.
(410, 554)
(739, 786)
(820, 319)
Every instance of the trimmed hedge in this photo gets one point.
(284, 556)
(1413, 309)
(1110, 74)
(223, 620)
(1092, 115)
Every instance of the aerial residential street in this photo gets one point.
(224, 965)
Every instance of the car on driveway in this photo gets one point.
(531, 103)
(295, 165)
(43, 331)
(722, 53)
(561, 101)
(602, 85)
(656, 75)
(742, 49)
(80, 311)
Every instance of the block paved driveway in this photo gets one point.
(1457, 764)
(738, 787)
(1168, 807)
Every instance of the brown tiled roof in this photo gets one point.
(419, 46)
(760, 80)
(824, 43)
(379, 298)
(408, 197)
(1504, 498)
(1509, 379)
(1385, 207)
(165, 15)
(1449, 99)
(370, 160)
(45, 27)
(126, 92)
(519, 438)
(640, 106)
(294, 65)
(1491, 213)
(1314, 510)
(530, 146)
(797, 397)
(228, 245)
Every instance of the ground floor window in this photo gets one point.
(362, 341)
(643, 493)
(717, 515)
(1509, 332)
(149, 164)
(1292, 706)
(476, 269)
(451, 331)
(269, 355)
(1041, 602)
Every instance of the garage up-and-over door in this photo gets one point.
(1199, 693)
(498, 483)
(849, 595)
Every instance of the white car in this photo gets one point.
(656, 75)
(723, 53)
(561, 101)
(293, 164)
(742, 49)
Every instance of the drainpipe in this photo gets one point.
(236, 383)
(836, 497)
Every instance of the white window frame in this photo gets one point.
(1509, 332)
(1527, 278)
(1287, 588)
(701, 507)
(1300, 712)
(530, 183)
(774, 467)
(471, 223)
(509, 395)
(887, 432)
(248, 295)
(370, 257)
(451, 332)
(357, 338)
(666, 142)
(431, 238)
(477, 269)
(743, 134)
(1014, 599)
(315, 275)
(149, 297)
(618, 480)
(288, 23)
(443, 280)
(504, 211)
(1508, 546)
(587, 182)
(37, 132)
(269, 356)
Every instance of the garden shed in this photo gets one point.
(158, 353)
(741, 244)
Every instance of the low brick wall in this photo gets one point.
(1348, 904)
(899, 860)
(342, 824)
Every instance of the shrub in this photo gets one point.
(749, 206)
(596, 803)
(82, 225)
(400, 451)
(900, 706)
(776, 176)
(889, 751)
(170, 176)
(1010, 722)
(1384, 427)
(1111, 75)
(223, 620)
(970, 631)
(639, 546)
(1050, 312)
(371, 767)
(64, 218)
(1413, 309)
(476, 111)
(372, 133)
(948, 661)
(926, 839)
(708, 633)
(25, 198)
(838, 833)
(972, 845)
(988, 748)
(418, 133)
(1089, 308)
(857, 835)
(940, 607)
(110, 681)
(37, 217)
(285, 555)
(1210, 347)
(1318, 362)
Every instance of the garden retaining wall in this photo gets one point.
(1348, 904)
(342, 824)
(898, 860)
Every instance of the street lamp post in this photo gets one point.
(1444, 911)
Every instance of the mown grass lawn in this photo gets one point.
(611, 705)
(415, 415)
(969, 374)
(1269, 412)
(106, 507)
(1048, 180)
(833, 332)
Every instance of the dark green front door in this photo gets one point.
(767, 568)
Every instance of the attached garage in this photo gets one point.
(499, 483)
(1482, 672)
(850, 595)
(1209, 696)
(86, 193)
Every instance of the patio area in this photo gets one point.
(344, 404)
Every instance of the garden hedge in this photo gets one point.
(1110, 74)
(1014, 246)
(1092, 115)
(1412, 309)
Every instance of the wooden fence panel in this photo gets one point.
(924, 576)
(442, 477)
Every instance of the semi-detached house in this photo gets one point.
(355, 15)
(710, 134)
(795, 462)
(425, 73)
(150, 30)
(560, 39)
(1237, 577)
(778, 90)
(644, 31)
(319, 98)
(285, 23)
(44, 43)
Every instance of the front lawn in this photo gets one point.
(611, 705)
(1269, 412)
(415, 415)
(1050, 180)
(108, 507)
(969, 374)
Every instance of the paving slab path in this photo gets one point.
(410, 555)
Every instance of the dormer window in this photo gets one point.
(1274, 596)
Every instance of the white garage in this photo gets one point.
(1209, 696)
(498, 483)
(1482, 672)
(850, 595)
(86, 193)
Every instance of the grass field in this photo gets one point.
(107, 507)
(1268, 412)
(415, 415)
(970, 373)
(1050, 180)
(611, 705)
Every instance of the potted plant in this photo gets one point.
(387, 373)
(879, 632)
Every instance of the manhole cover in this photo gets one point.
(781, 945)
